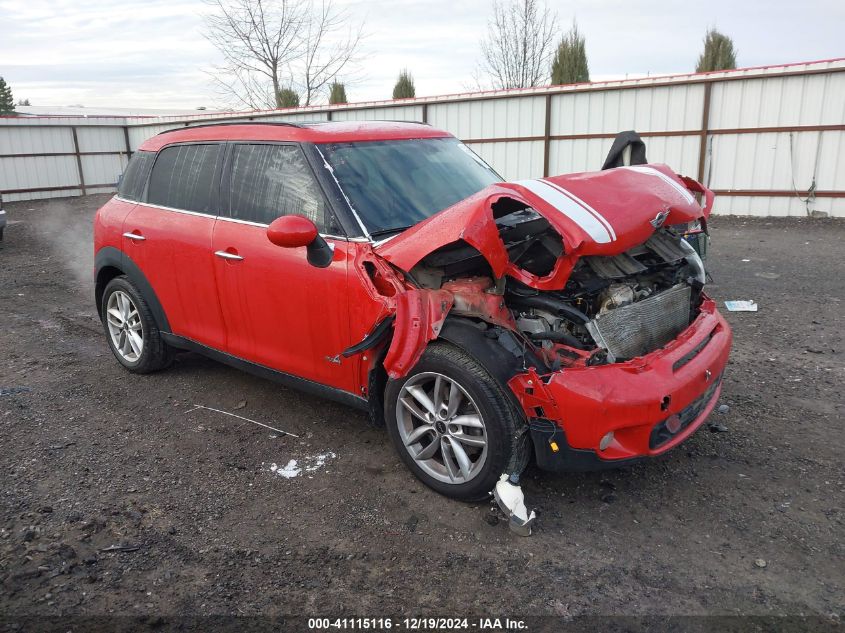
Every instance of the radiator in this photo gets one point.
(644, 326)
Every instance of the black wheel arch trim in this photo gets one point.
(498, 349)
(109, 256)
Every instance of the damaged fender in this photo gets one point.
(595, 214)
(419, 317)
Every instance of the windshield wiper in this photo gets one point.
(383, 232)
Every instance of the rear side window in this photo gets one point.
(269, 181)
(184, 177)
(132, 182)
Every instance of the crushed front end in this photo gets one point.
(619, 352)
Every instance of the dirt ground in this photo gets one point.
(747, 521)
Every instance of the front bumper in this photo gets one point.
(651, 403)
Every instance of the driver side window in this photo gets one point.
(269, 181)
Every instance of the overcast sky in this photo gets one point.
(153, 54)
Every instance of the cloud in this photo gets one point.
(153, 53)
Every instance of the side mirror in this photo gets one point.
(293, 231)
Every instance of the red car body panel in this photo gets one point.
(324, 133)
(108, 227)
(419, 317)
(279, 311)
(626, 198)
(629, 398)
(274, 309)
(175, 256)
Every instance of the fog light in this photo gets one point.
(673, 424)
(605, 441)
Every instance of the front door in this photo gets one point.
(279, 310)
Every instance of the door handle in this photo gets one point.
(134, 236)
(228, 255)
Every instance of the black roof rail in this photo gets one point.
(306, 123)
(188, 126)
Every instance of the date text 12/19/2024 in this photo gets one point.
(417, 624)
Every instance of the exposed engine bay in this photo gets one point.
(611, 308)
(582, 269)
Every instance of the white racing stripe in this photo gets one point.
(587, 218)
(651, 171)
(595, 213)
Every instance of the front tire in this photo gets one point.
(131, 330)
(453, 425)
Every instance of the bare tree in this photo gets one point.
(325, 55)
(519, 44)
(268, 45)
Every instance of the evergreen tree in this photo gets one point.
(719, 53)
(404, 88)
(288, 98)
(7, 103)
(337, 93)
(569, 65)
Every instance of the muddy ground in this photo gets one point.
(747, 521)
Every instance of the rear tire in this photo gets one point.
(459, 442)
(131, 329)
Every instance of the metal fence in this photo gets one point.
(768, 140)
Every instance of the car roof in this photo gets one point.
(327, 132)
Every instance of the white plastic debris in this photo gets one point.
(741, 306)
(318, 461)
(289, 471)
(511, 500)
(307, 464)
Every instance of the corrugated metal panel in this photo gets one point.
(779, 101)
(139, 134)
(103, 169)
(398, 113)
(41, 195)
(52, 121)
(514, 160)
(100, 139)
(305, 116)
(777, 206)
(679, 152)
(577, 155)
(757, 97)
(491, 119)
(783, 160)
(665, 109)
(35, 140)
(38, 171)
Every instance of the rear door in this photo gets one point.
(168, 235)
(280, 311)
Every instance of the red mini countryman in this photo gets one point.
(387, 266)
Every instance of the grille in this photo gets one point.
(644, 326)
(661, 434)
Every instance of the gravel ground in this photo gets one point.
(117, 500)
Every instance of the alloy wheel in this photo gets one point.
(442, 428)
(125, 327)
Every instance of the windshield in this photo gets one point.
(395, 184)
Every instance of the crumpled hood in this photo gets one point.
(596, 213)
